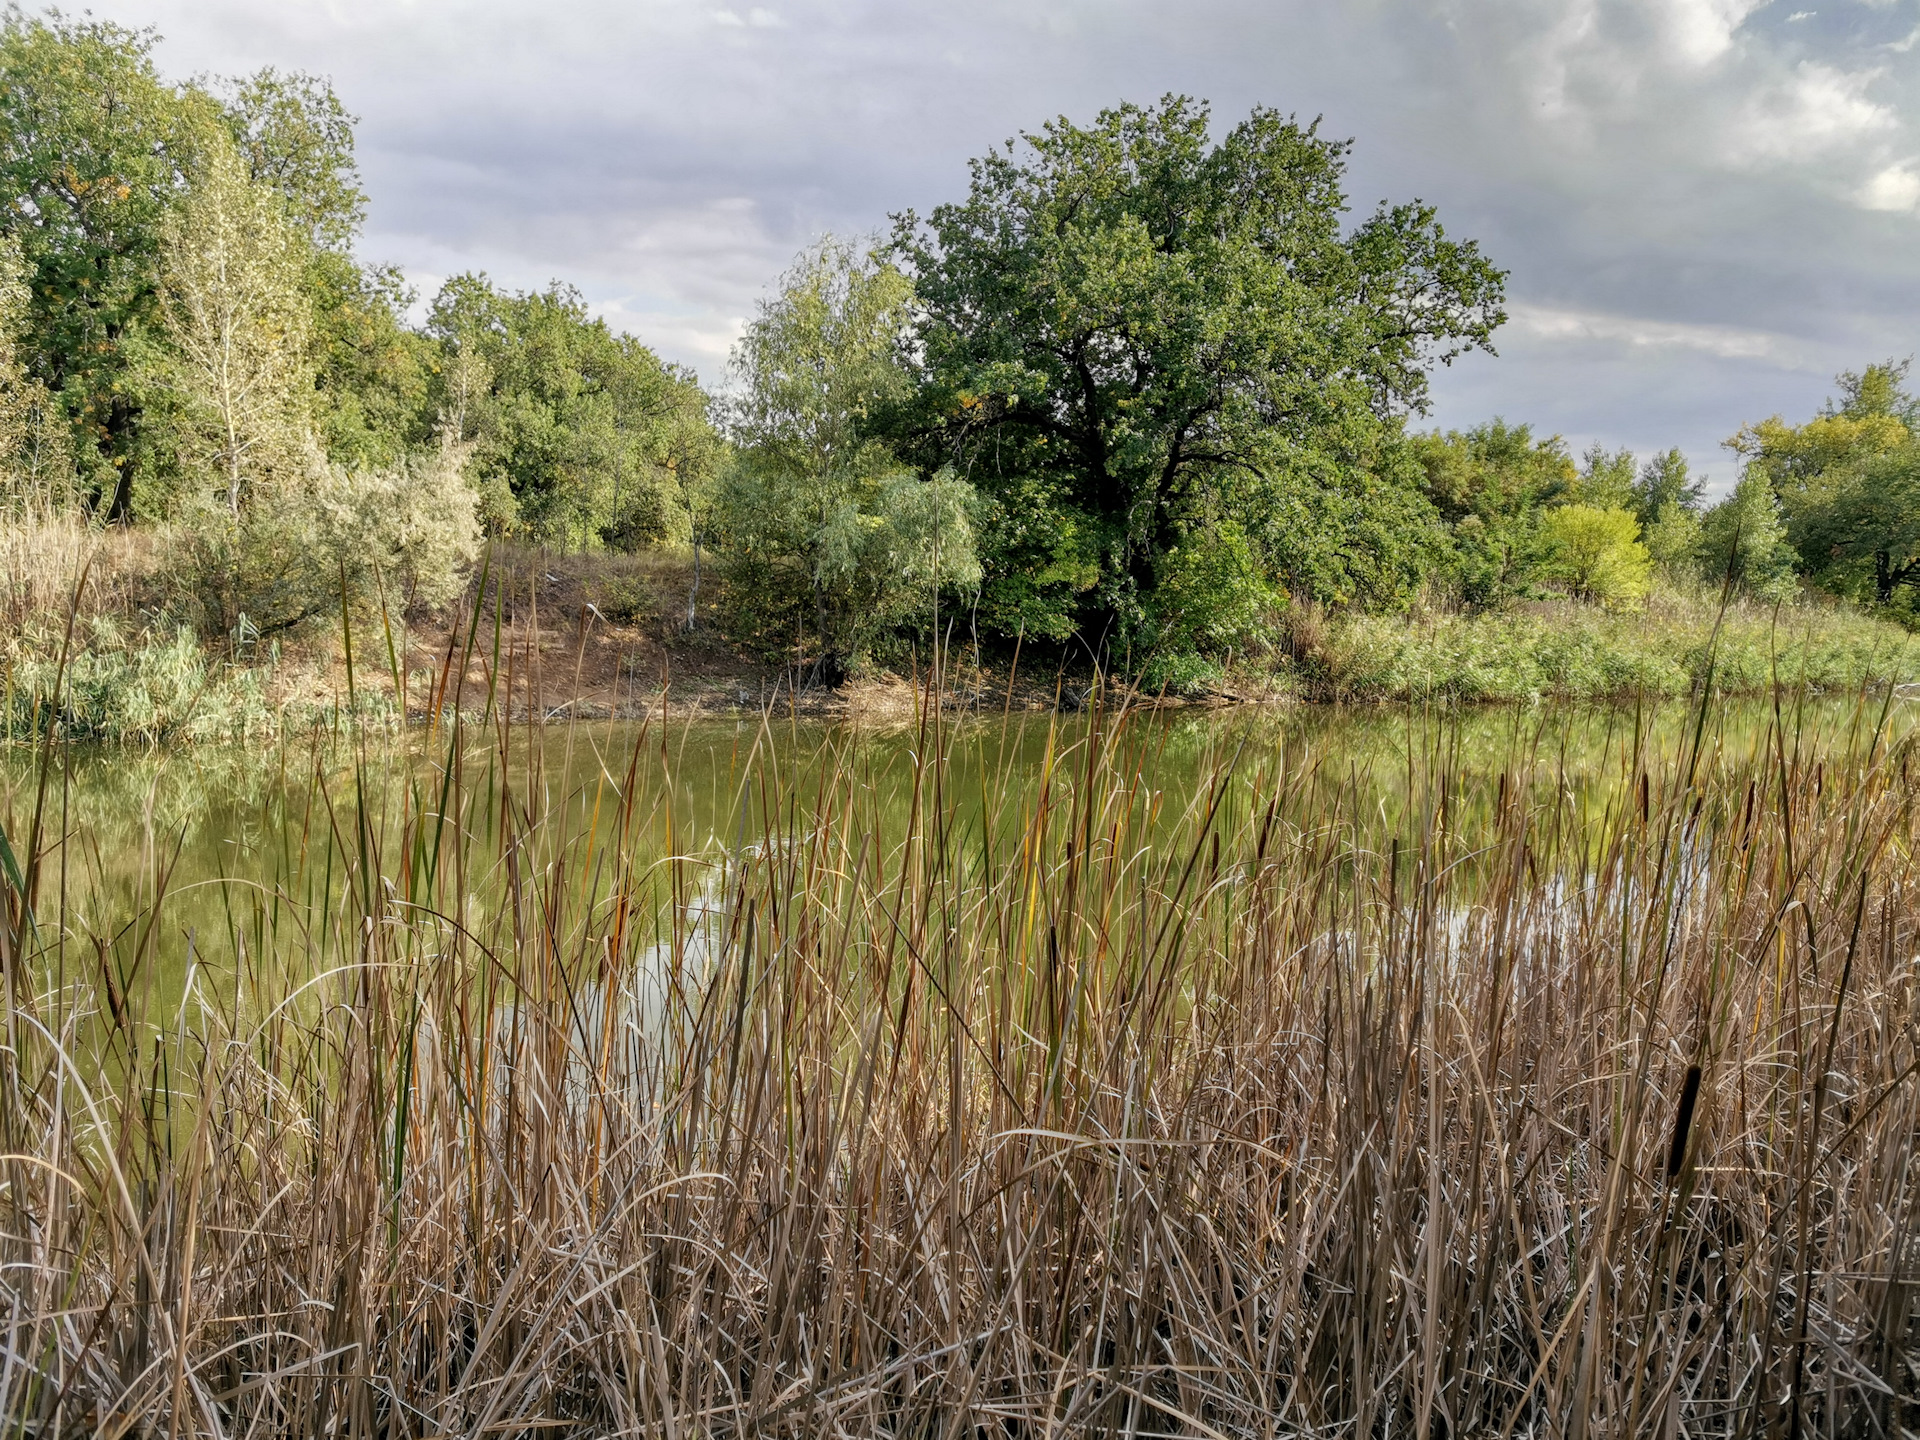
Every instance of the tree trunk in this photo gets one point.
(830, 668)
(119, 427)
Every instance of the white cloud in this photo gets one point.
(1701, 31)
(1895, 188)
(699, 339)
(1814, 111)
(757, 18)
(1725, 341)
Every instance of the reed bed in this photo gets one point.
(1091, 1109)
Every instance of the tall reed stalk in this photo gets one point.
(1090, 1109)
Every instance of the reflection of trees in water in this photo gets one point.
(283, 818)
(135, 818)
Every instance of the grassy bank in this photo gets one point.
(605, 635)
(1571, 651)
(1093, 1109)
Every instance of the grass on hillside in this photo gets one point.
(1100, 1110)
(1567, 650)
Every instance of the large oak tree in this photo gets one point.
(1130, 332)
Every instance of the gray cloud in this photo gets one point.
(1708, 206)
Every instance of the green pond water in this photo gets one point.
(217, 833)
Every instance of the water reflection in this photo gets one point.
(217, 836)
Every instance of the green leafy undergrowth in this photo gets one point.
(156, 684)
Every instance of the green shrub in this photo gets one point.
(1597, 553)
(302, 546)
(154, 686)
(849, 562)
(1210, 596)
(625, 599)
(1179, 672)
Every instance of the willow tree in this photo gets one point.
(239, 321)
(813, 503)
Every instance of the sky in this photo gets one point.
(1707, 207)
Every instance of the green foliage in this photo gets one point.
(373, 401)
(1147, 330)
(1044, 557)
(1847, 484)
(1745, 537)
(307, 543)
(1872, 416)
(1344, 535)
(1608, 480)
(625, 599)
(813, 505)
(144, 688)
(1673, 539)
(296, 139)
(1597, 553)
(94, 149)
(1663, 487)
(36, 464)
(1210, 597)
(417, 522)
(1862, 535)
(596, 440)
(1666, 500)
(1489, 485)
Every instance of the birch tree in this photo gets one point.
(240, 323)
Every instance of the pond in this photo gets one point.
(177, 853)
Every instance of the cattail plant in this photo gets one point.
(1059, 1104)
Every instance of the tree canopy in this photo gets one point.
(586, 429)
(1490, 485)
(94, 153)
(1130, 331)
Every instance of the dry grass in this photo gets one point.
(43, 556)
(1100, 1111)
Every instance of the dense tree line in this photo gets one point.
(192, 339)
(1146, 388)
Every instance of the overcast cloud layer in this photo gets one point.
(1707, 206)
